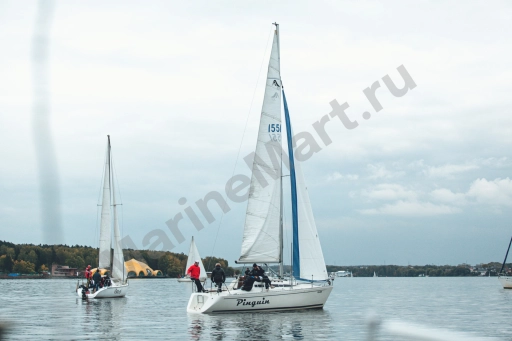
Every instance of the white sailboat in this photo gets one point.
(374, 274)
(193, 255)
(108, 261)
(505, 280)
(309, 285)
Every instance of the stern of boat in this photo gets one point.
(201, 302)
(506, 281)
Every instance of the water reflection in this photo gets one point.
(298, 325)
(102, 317)
(218, 332)
(195, 329)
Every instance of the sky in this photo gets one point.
(179, 85)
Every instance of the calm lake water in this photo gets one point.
(155, 309)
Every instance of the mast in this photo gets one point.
(281, 248)
(505, 260)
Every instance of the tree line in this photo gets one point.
(485, 269)
(29, 258)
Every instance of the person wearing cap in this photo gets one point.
(195, 271)
(259, 274)
(88, 276)
(218, 277)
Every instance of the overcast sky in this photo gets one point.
(426, 180)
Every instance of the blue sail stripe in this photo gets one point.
(293, 183)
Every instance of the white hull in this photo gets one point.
(107, 292)
(506, 281)
(301, 296)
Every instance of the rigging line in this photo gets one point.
(118, 190)
(243, 135)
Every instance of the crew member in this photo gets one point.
(97, 279)
(218, 277)
(194, 271)
(88, 275)
(259, 274)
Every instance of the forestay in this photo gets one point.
(118, 269)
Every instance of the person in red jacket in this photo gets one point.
(88, 276)
(194, 271)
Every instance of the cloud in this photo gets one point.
(446, 196)
(449, 170)
(411, 209)
(389, 192)
(338, 176)
(380, 171)
(497, 192)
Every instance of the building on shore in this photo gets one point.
(64, 271)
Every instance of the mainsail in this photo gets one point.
(105, 227)
(262, 235)
(193, 255)
(116, 264)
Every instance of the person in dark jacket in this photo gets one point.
(97, 279)
(218, 277)
(259, 275)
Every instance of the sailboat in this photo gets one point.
(374, 274)
(505, 279)
(309, 285)
(108, 260)
(193, 255)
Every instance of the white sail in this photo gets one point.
(193, 255)
(105, 227)
(261, 239)
(118, 269)
(312, 264)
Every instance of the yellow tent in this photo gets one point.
(139, 269)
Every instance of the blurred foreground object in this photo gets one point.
(413, 332)
(41, 128)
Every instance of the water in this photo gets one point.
(156, 309)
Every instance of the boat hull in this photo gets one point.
(506, 281)
(108, 292)
(299, 297)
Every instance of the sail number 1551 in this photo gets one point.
(274, 128)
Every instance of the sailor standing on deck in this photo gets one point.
(97, 279)
(194, 271)
(88, 275)
(218, 277)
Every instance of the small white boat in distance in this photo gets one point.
(343, 273)
(119, 284)
(193, 255)
(504, 278)
(374, 274)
